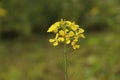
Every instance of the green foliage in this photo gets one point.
(31, 58)
(26, 16)
(98, 58)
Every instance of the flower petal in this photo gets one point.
(51, 40)
(55, 43)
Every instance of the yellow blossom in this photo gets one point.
(51, 40)
(62, 33)
(55, 43)
(54, 27)
(74, 27)
(76, 46)
(67, 41)
(73, 43)
(81, 30)
(68, 23)
(67, 32)
(82, 36)
(76, 38)
(70, 34)
(61, 39)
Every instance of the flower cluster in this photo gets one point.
(67, 32)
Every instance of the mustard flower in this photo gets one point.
(67, 32)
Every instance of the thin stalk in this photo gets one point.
(66, 62)
(0, 26)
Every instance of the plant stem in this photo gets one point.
(66, 62)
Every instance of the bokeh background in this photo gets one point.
(26, 54)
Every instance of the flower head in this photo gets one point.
(67, 32)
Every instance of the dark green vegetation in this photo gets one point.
(26, 54)
(26, 17)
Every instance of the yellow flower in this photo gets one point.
(56, 36)
(54, 27)
(62, 33)
(76, 46)
(73, 43)
(61, 39)
(68, 23)
(82, 36)
(74, 27)
(67, 32)
(70, 34)
(81, 30)
(51, 40)
(76, 38)
(55, 43)
(55, 40)
(67, 41)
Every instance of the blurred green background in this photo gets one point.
(26, 54)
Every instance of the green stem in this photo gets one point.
(0, 26)
(66, 62)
